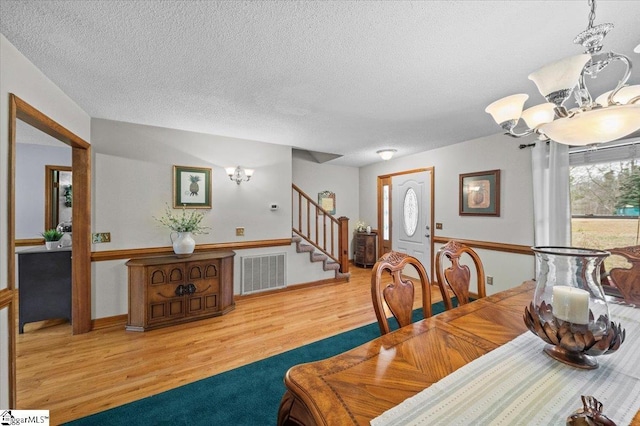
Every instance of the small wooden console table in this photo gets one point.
(167, 290)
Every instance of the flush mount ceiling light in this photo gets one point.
(611, 116)
(386, 154)
(238, 174)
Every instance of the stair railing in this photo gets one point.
(319, 228)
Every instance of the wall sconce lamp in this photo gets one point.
(386, 154)
(239, 174)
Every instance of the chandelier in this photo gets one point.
(611, 116)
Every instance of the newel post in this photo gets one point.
(343, 243)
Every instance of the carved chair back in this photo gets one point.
(389, 287)
(456, 278)
(626, 281)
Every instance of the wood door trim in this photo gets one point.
(81, 238)
(6, 297)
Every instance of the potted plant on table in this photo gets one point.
(51, 238)
(184, 226)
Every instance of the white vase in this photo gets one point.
(51, 244)
(183, 244)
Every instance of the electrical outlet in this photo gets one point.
(438, 225)
(239, 232)
(101, 237)
(489, 280)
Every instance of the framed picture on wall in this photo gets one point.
(480, 193)
(191, 187)
(327, 201)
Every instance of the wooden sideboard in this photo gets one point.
(167, 290)
(365, 249)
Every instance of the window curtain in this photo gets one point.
(551, 200)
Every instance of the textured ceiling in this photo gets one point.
(345, 78)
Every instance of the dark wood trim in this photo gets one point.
(488, 245)
(26, 242)
(40, 121)
(99, 256)
(6, 297)
(10, 242)
(81, 240)
(108, 322)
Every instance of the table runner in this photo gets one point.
(517, 384)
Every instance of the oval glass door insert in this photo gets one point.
(410, 212)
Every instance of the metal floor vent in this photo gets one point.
(261, 273)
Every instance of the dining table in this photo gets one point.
(425, 371)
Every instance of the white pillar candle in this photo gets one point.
(570, 304)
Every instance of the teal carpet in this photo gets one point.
(248, 395)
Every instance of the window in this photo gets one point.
(605, 195)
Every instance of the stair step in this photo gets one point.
(318, 257)
(305, 248)
(328, 265)
(331, 266)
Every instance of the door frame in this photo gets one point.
(386, 179)
(81, 213)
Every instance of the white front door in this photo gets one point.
(411, 205)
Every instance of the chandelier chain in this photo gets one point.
(592, 13)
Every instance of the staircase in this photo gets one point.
(328, 264)
(319, 233)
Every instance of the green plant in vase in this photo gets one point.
(52, 235)
(51, 238)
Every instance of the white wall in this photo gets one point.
(22, 78)
(513, 226)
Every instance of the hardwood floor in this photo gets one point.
(74, 376)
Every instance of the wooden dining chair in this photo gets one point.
(456, 278)
(391, 289)
(624, 282)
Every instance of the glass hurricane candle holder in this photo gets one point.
(569, 310)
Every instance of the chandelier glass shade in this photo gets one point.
(611, 116)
